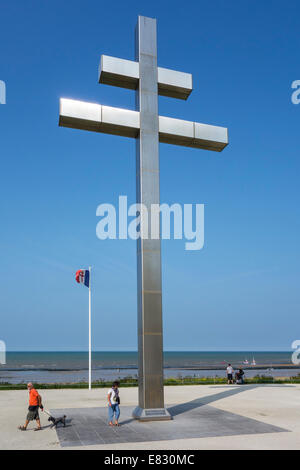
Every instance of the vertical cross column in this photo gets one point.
(150, 341)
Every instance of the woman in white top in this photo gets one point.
(113, 404)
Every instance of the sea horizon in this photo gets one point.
(72, 366)
(135, 350)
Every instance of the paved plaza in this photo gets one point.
(204, 417)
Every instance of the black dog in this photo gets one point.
(55, 421)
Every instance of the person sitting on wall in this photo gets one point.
(239, 376)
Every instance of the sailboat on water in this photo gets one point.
(246, 362)
(253, 363)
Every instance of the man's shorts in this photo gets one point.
(229, 376)
(33, 414)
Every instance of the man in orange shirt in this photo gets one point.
(35, 402)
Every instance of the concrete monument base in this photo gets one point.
(155, 414)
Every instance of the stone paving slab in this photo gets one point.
(89, 426)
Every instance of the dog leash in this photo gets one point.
(47, 412)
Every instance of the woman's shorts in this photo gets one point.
(229, 376)
(31, 415)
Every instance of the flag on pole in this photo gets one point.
(83, 277)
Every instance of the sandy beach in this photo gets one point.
(266, 417)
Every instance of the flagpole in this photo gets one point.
(90, 332)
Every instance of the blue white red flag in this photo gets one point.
(83, 277)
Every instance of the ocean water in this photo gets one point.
(57, 367)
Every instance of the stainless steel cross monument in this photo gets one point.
(149, 129)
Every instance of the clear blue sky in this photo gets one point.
(242, 290)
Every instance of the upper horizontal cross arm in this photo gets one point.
(125, 73)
